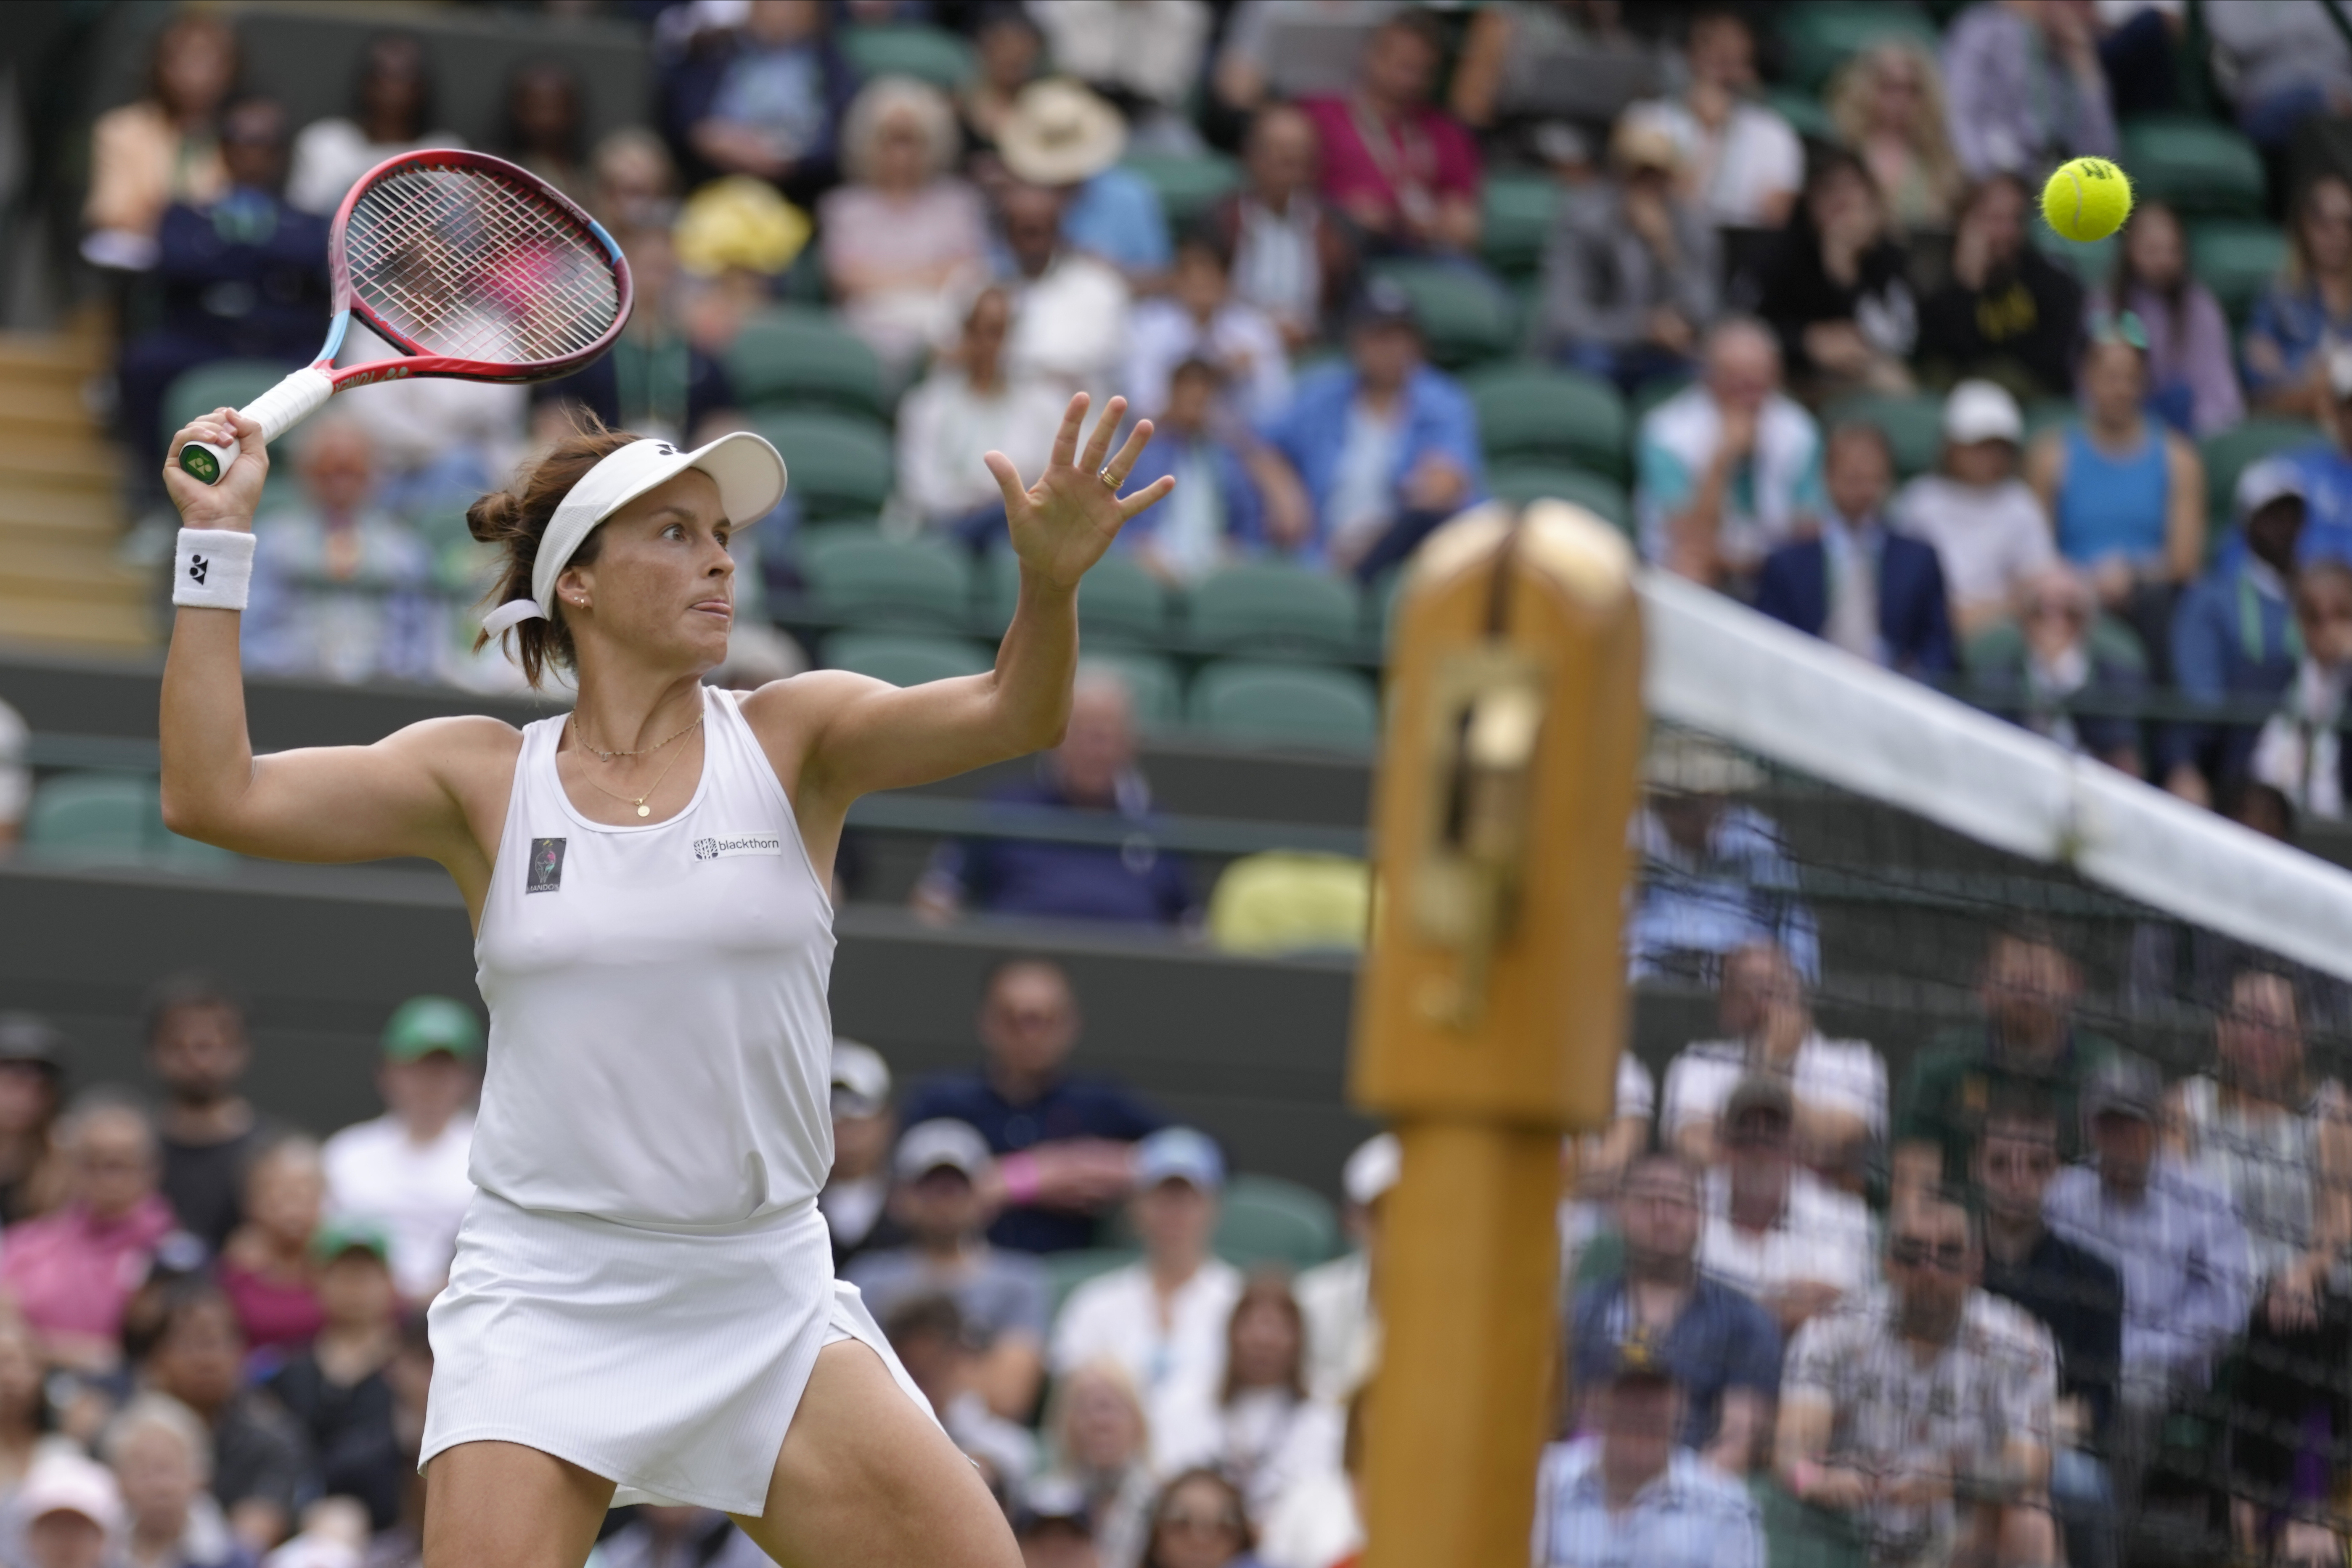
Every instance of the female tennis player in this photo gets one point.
(642, 1306)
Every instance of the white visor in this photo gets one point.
(751, 475)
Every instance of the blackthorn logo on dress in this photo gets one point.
(546, 866)
(728, 845)
(197, 567)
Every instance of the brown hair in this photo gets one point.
(1237, 1516)
(1269, 1289)
(516, 520)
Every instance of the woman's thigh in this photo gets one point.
(866, 1479)
(503, 1505)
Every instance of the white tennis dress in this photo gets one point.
(644, 1282)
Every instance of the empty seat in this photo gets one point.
(865, 578)
(1152, 683)
(230, 384)
(1119, 602)
(2197, 165)
(2235, 259)
(795, 357)
(1519, 209)
(1462, 317)
(1914, 427)
(1285, 705)
(1817, 38)
(904, 658)
(927, 54)
(1266, 1221)
(1265, 605)
(1066, 1272)
(111, 819)
(1519, 483)
(2228, 453)
(839, 464)
(1187, 184)
(1533, 410)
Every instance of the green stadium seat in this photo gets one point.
(1268, 1222)
(905, 659)
(1999, 649)
(1119, 602)
(1464, 317)
(1285, 706)
(799, 358)
(1816, 38)
(1519, 483)
(1807, 115)
(2236, 259)
(1914, 427)
(1152, 683)
(111, 819)
(879, 581)
(2228, 455)
(2092, 261)
(1262, 606)
(839, 464)
(927, 54)
(1533, 410)
(232, 384)
(1188, 185)
(1066, 1272)
(1650, 394)
(1519, 209)
(2196, 165)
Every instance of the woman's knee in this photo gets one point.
(506, 1503)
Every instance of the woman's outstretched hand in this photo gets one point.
(1064, 523)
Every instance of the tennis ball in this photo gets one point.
(2087, 200)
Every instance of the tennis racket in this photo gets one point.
(469, 267)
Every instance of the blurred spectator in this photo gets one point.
(1145, 57)
(1878, 595)
(2281, 64)
(393, 98)
(1598, 1161)
(2308, 309)
(32, 1071)
(1217, 507)
(543, 128)
(159, 150)
(1888, 103)
(2173, 1237)
(1200, 318)
(2234, 633)
(1069, 309)
(1509, 50)
(1274, 1433)
(2326, 465)
(342, 589)
(2037, 677)
(655, 380)
(1094, 770)
(673, 1535)
(1068, 1138)
(25, 1417)
(1163, 1319)
(1292, 258)
(1096, 1437)
(405, 1170)
(1246, 71)
(967, 407)
(946, 1192)
(2008, 313)
(1066, 139)
(1924, 1413)
(1200, 1523)
(1715, 877)
(243, 276)
(260, 1463)
(905, 227)
(1835, 289)
(928, 1332)
(1740, 164)
(438, 441)
(1839, 1085)
(2193, 382)
(856, 1193)
(197, 1047)
(1385, 447)
(1011, 49)
(1633, 1493)
(71, 1271)
(15, 778)
(1986, 524)
(2300, 752)
(71, 1512)
(2027, 1048)
(1053, 1525)
(636, 181)
(1725, 469)
(2139, 51)
(2025, 88)
(764, 99)
(336, 1390)
(265, 1266)
(1629, 269)
(1721, 1347)
(1796, 1245)
(1401, 169)
(1335, 1299)
(162, 1456)
(2126, 494)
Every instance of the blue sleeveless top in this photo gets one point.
(2113, 506)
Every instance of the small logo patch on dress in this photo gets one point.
(728, 845)
(546, 866)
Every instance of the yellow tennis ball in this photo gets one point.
(2087, 200)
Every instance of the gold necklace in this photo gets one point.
(639, 803)
(578, 734)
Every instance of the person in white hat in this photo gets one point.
(1989, 531)
(2234, 633)
(70, 1510)
(642, 1306)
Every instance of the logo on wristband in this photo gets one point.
(197, 567)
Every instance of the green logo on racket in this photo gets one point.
(199, 464)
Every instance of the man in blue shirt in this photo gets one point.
(2326, 469)
(1062, 1143)
(2233, 634)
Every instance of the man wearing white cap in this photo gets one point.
(1343, 1333)
(71, 1512)
(857, 1189)
(1989, 532)
(642, 1307)
(2234, 633)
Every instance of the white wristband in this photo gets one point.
(212, 569)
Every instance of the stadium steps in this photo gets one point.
(60, 507)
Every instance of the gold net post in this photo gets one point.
(1490, 1010)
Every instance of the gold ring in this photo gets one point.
(1103, 473)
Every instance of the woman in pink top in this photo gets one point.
(71, 1271)
(1405, 170)
(265, 1267)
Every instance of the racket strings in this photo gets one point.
(465, 264)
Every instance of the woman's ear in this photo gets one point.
(575, 588)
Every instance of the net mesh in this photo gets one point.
(470, 265)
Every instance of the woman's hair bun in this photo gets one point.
(493, 519)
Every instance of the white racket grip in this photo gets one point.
(276, 411)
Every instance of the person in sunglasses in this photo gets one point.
(1925, 1412)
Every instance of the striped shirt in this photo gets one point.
(1691, 1515)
